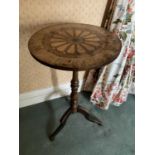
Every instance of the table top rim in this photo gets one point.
(59, 66)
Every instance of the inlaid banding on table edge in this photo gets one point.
(85, 46)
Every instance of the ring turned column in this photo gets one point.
(74, 93)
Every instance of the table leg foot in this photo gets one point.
(89, 116)
(62, 124)
(59, 128)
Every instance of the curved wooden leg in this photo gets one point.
(62, 124)
(59, 128)
(65, 115)
(88, 115)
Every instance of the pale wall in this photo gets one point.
(35, 14)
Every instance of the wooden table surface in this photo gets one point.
(72, 46)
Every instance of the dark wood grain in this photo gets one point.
(74, 46)
(74, 93)
(108, 14)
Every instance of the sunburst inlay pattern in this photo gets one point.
(72, 42)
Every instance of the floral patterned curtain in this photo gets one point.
(111, 84)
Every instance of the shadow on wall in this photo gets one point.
(56, 90)
(32, 28)
(55, 85)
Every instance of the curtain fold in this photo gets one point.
(111, 84)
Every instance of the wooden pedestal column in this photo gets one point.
(74, 93)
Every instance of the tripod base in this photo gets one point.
(74, 107)
(65, 116)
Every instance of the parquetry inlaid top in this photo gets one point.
(74, 46)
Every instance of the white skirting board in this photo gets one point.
(37, 96)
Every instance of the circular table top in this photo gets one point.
(72, 46)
